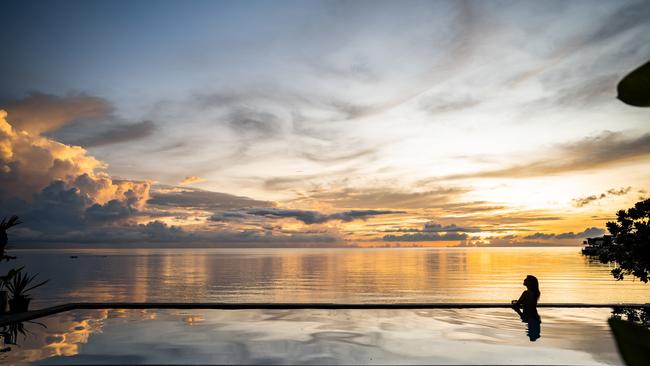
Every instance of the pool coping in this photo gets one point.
(35, 314)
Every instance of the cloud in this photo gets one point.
(596, 152)
(191, 179)
(327, 157)
(160, 234)
(583, 201)
(587, 233)
(443, 103)
(314, 217)
(427, 237)
(253, 123)
(58, 188)
(200, 199)
(115, 134)
(431, 231)
(535, 240)
(385, 197)
(29, 163)
(39, 112)
(229, 216)
(75, 119)
(60, 209)
(432, 227)
(628, 16)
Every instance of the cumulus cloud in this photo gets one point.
(56, 187)
(584, 201)
(315, 217)
(29, 163)
(191, 179)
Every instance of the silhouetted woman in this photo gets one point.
(526, 306)
(528, 302)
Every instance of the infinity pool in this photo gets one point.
(472, 336)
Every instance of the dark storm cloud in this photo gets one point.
(590, 153)
(159, 233)
(62, 215)
(587, 233)
(200, 199)
(315, 217)
(584, 201)
(113, 210)
(58, 209)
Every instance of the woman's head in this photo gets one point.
(532, 284)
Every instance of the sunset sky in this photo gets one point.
(280, 123)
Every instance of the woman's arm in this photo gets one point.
(521, 300)
(516, 304)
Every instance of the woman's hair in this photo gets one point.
(532, 284)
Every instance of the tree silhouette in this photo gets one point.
(4, 226)
(630, 247)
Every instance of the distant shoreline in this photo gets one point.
(42, 246)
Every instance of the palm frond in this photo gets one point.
(20, 284)
(13, 221)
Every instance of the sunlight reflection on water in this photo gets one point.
(323, 275)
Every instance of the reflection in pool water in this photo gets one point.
(473, 336)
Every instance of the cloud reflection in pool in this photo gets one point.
(478, 336)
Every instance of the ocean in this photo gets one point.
(368, 275)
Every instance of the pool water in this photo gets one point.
(468, 336)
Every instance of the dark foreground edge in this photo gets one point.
(34, 314)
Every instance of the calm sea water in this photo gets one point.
(322, 275)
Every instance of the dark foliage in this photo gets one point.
(630, 247)
(4, 226)
(21, 284)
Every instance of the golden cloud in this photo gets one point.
(191, 180)
(40, 112)
(29, 163)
